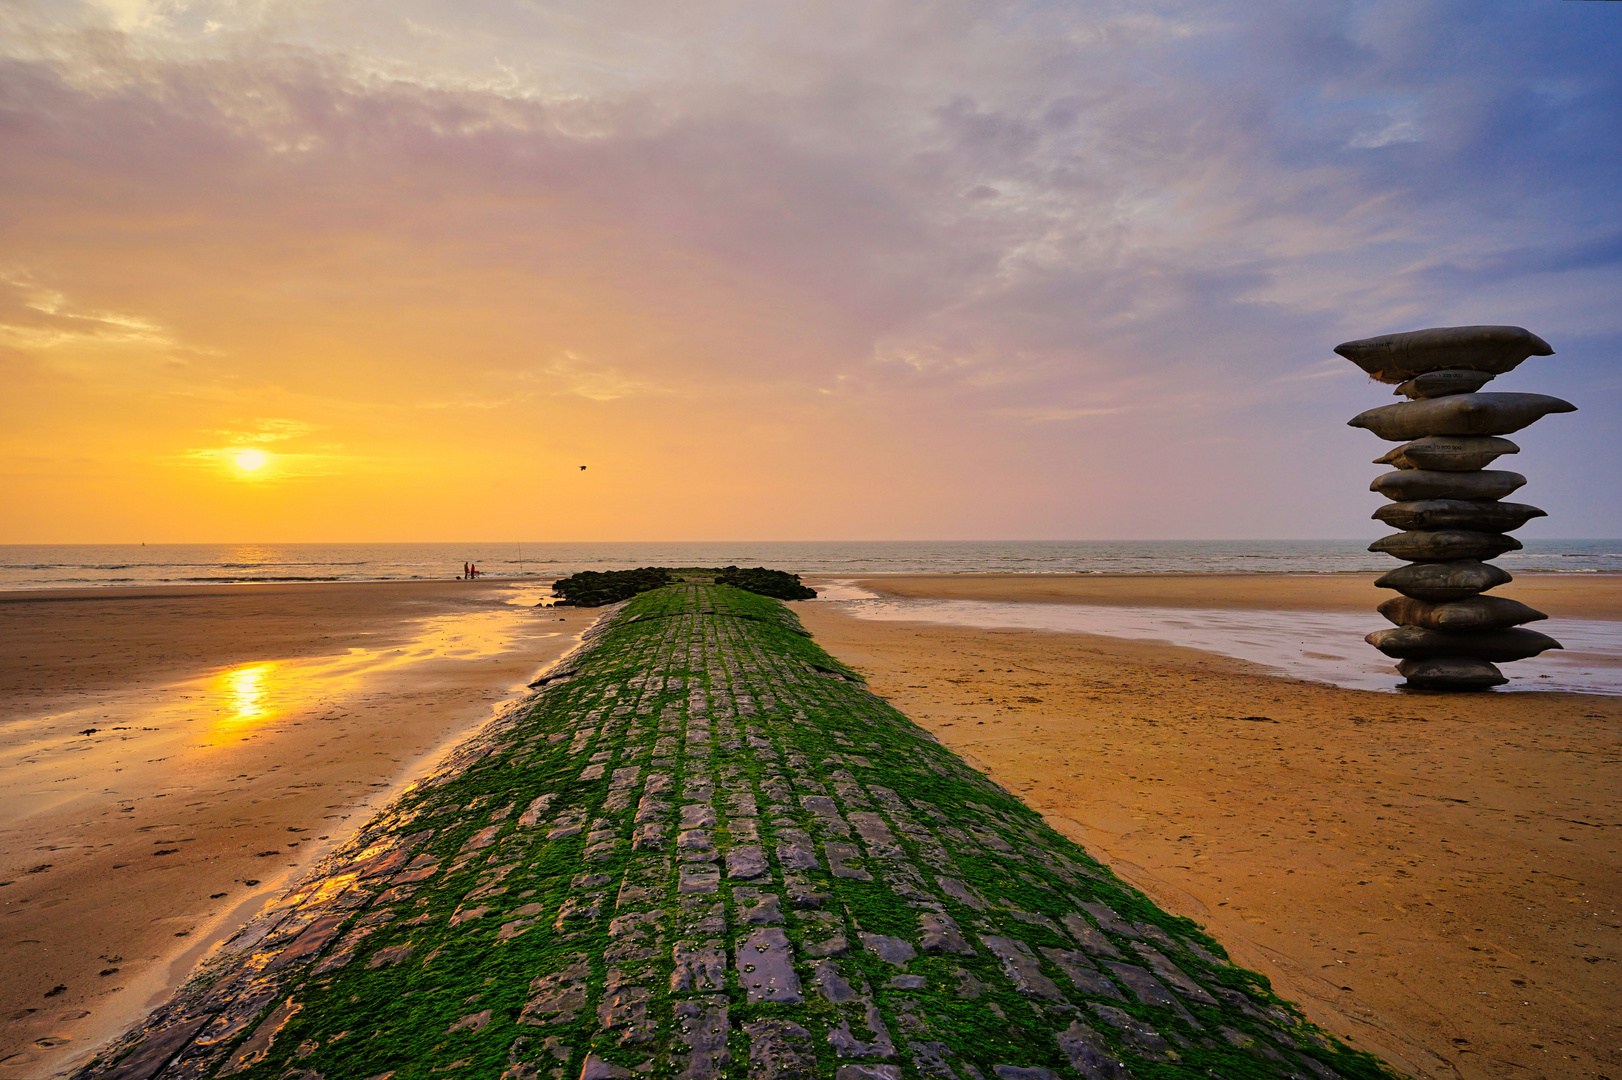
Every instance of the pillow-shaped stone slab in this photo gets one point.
(1435, 384)
(1449, 453)
(1454, 579)
(1412, 485)
(1475, 613)
(1488, 517)
(1460, 414)
(1494, 646)
(1452, 673)
(1444, 544)
(1395, 358)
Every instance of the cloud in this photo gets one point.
(1056, 220)
(570, 373)
(1048, 415)
(268, 431)
(39, 318)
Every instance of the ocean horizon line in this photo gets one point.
(595, 543)
(36, 566)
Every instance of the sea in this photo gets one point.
(1323, 646)
(56, 566)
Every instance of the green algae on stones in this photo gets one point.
(595, 588)
(777, 584)
(704, 849)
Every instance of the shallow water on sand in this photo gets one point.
(43, 566)
(229, 766)
(1322, 646)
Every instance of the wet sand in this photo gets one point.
(1409, 868)
(1435, 878)
(171, 758)
(1591, 596)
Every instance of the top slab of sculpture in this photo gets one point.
(1396, 358)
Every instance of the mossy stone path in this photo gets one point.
(704, 849)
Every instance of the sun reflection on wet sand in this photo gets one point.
(247, 699)
(252, 694)
(250, 756)
(243, 689)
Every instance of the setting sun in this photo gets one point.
(250, 460)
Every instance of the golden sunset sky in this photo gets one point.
(780, 270)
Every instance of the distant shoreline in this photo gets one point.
(16, 593)
(31, 568)
(1592, 596)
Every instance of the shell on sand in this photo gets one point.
(1459, 414)
(1451, 673)
(1495, 646)
(1395, 358)
(1448, 453)
(1438, 545)
(1411, 485)
(1442, 383)
(1477, 516)
(1473, 613)
(1452, 580)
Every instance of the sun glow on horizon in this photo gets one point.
(250, 460)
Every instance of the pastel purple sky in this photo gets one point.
(782, 270)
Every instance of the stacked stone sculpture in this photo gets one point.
(1447, 502)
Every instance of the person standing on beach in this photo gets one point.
(467, 572)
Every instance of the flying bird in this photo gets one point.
(582, 468)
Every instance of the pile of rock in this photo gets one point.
(1447, 502)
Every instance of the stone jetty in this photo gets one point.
(702, 848)
(1448, 503)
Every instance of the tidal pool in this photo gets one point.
(1322, 646)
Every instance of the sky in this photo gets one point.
(782, 270)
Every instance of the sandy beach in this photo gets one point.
(171, 758)
(1590, 596)
(1435, 878)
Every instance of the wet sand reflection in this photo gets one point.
(1322, 646)
(157, 817)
